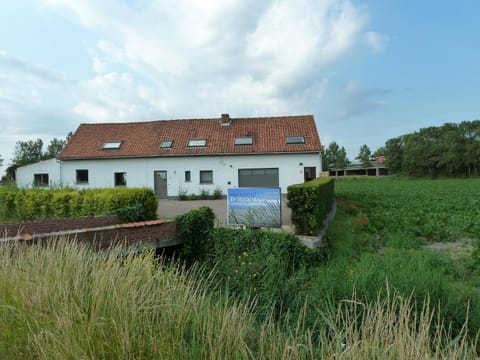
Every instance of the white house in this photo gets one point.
(189, 155)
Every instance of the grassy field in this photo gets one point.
(65, 302)
(435, 210)
(378, 294)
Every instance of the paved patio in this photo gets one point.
(168, 209)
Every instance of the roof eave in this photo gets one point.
(188, 155)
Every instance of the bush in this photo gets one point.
(262, 264)
(217, 193)
(33, 204)
(182, 194)
(194, 228)
(204, 195)
(310, 203)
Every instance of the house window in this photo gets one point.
(121, 179)
(297, 139)
(244, 140)
(40, 180)
(188, 176)
(197, 143)
(112, 145)
(167, 144)
(206, 177)
(82, 176)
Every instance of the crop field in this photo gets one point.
(435, 210)
(389, 235)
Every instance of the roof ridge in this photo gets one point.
(203, 119)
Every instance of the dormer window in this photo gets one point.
(167, 144)
(112, 145)
(297, 139)
(197, 143)
(244, 140)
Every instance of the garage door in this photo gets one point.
(258, 177)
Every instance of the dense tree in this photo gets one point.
(31, 151)
(335, 156)
(364, 156)
(448, 150)
(54, 148)
(28, 152)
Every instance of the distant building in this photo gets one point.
(191, 155)
(377, 168)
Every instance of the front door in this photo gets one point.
(161, 184)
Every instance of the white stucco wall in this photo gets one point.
(140, 172)
(25, 174)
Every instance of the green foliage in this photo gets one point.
(182, 194)
(335, 157)
(440, 210)
(62, 301)
(27, 152)
(268, 266)
(204, 194)
(217, 193)
(310, 203)
(376, 245)
(129, 204)
(31, 151)
(195, 227)
(364, 156)
(447, 150)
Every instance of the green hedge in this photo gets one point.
(310, 203)
(130, 204)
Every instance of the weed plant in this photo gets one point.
(61, 301)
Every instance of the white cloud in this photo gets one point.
(376, 41)
(199, 56)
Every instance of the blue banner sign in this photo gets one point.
(255, 207)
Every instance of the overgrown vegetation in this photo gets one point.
(130, 204)
(374, 292)
(310, 203)
(64, 302)
(195, 228)
(379, 235)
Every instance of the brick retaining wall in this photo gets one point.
(55, 225)
(100, 232)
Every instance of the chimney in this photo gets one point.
(225, 120)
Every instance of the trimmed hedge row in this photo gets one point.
(310, 203)
(130, 204)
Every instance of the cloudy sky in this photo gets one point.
(368, 70)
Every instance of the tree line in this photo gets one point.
(335, 156)
(31, 151)
(450, 150)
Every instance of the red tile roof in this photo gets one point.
(143, 139)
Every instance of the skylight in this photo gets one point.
(244, 140)
(295, 139)
(112, 145)
(197, 142)
(167, 144)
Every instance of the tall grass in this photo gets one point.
(62, 301)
